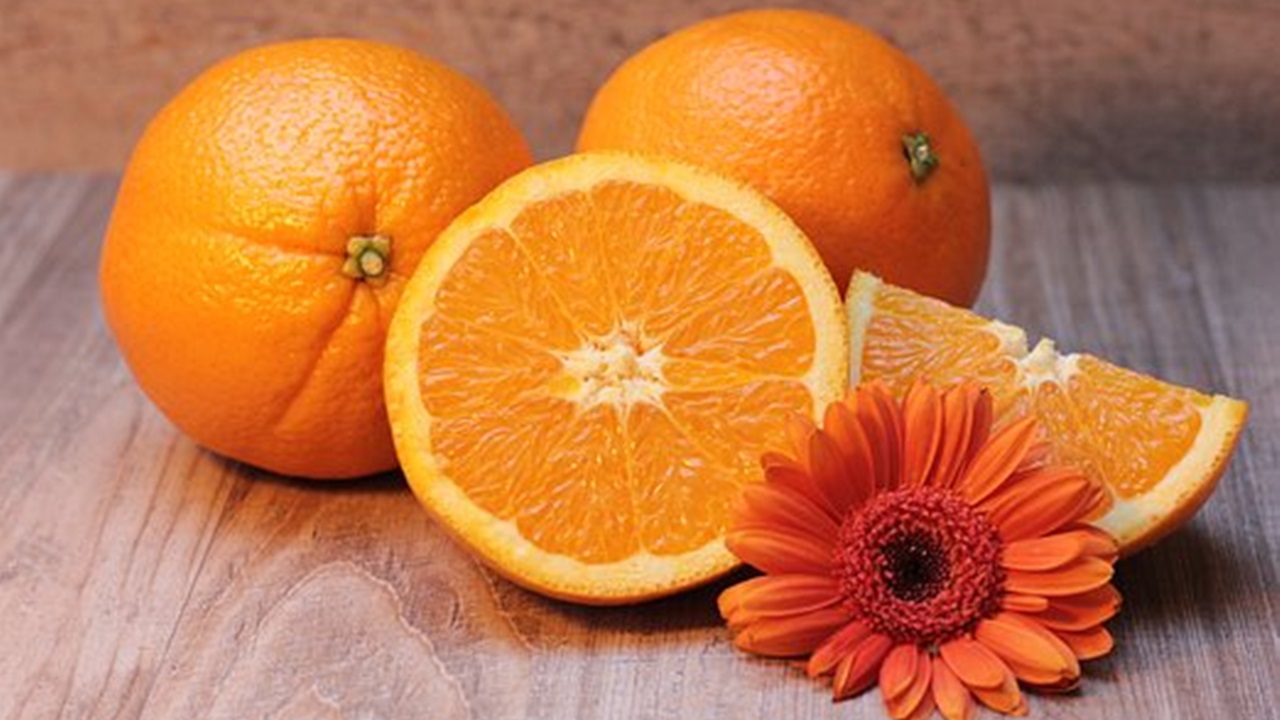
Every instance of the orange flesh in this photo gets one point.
(912, 336)
(610, 387)
(1124, 428)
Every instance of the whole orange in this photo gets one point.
(841, 129)
(266, 223)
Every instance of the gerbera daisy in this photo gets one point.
(910, 545)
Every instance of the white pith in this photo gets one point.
(621, 369)
(1044, 364)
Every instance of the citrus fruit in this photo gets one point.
(265, 226)
(1159, 448)
(839, 128)
(586, 366)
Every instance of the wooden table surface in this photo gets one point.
(143, 577)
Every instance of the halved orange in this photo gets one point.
(586, 366)
(1159, 448)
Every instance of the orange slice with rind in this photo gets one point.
(586, 366)
(1159, 448)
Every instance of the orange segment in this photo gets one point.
(732, 422)
(581, 504)
(495, 287)
(483, 452)
(914, 336)
(1120, 425)
(1158, 447)
(730, 330)
(689, 491)
(497, 367)
(587, 365)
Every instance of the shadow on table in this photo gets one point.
(387, 482)
(1190, 572)
(691, 611)
(1185, 589)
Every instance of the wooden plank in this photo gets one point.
(141, 577)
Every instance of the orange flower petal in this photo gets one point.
(837, 647)
(731, 599)
(799, 428)
(899, 670)
(844, 428)
(1097, 542)
(769, 459)
(957, 434)
(1024, 603)
(983, 417)
(778, 552)
(1043, 553)
(1106, 596)
(1059, 548)
(851, 397)
(791, 636)
(770, 596)
(1079, 576)
(1042, 503)
(767, 504)
(1037, 676)
(1089, 645)
(1037, 455)
(997, 460)
(881, 420)
(1078, 613)
(858, 671)
(1033, 653)
(922, 431)
(784, 473)
(1023, 475)
(975, 665)
(906, 703)
(831, 475)
(1003, 699)
(923, 709)
(953, 699)
(868, 420)
(838, 421)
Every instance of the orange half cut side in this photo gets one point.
(587, 365)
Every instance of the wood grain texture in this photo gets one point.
(141, 577)
(1079, 89)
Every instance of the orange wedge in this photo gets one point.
(1159, 448)
(586, 366)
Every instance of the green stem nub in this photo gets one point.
(368, 258)
(920, 154)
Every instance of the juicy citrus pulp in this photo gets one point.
(1159, 448)
(587, 364)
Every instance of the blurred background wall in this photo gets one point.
(1164, 90)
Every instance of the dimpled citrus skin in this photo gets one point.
(812, 110)
(222, 270)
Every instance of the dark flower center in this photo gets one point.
(920, 565)
(914, 567)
